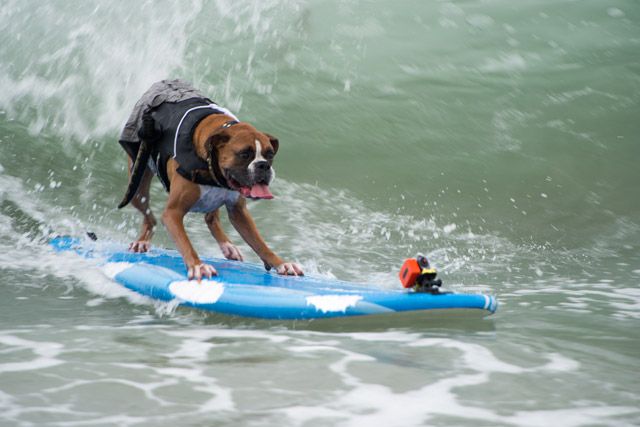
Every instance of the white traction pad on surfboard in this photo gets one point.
(328, 303)
(205, 292)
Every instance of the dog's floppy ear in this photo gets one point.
(274, 142)
(216, 140)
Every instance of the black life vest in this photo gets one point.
(176, 122)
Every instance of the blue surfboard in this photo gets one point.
(244, 289)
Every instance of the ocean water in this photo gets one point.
(499, 137)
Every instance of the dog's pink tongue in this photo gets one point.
(258, 191)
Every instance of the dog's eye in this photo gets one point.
(269, 155)
(245, 154)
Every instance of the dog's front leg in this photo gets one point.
(244, 224)
(229, 250)
(182, 195)
(173, 221)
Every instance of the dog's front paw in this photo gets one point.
(199, 271)
(290, 269)
(140, 246)
(230, 251)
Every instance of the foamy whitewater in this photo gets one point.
(499, 138)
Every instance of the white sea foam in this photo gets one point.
(358, 398)
(510, 62)
(377, 238)
(449, 228)
(367, 403)
(614, 12)
(112, 269)
(110, 67)
(45, 353)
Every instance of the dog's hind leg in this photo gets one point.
(141, 202)
(229, 250)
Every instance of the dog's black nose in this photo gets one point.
(263, 165)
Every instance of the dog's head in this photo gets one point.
(245, 158)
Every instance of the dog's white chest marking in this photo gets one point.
(211, 198)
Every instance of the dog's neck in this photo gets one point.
(204, 129)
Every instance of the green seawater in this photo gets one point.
(500, 138)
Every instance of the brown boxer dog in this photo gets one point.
(239, 156)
